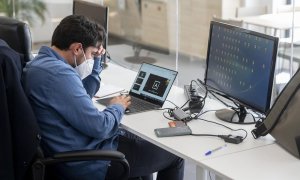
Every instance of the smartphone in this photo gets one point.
(173, 131)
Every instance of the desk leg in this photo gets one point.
(218, 178)
(201, 174)
(204, 174)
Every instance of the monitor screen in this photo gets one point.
(240, 65)
(93, 11)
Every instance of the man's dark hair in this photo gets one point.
(77, 28)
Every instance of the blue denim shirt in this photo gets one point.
(65, 112)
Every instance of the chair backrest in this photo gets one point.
(19, 137)
(17, 35)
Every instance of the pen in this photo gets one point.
(214, 150)
(113, 93)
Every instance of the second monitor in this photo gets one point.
(95, 12)
(240, 65)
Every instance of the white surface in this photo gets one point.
(283, 78)
(280, 21)
(107, 90)
(191, 148)
(267, 162)
(56, 10)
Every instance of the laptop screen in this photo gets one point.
(153, 83)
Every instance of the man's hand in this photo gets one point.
(123, 100)
(101, 51)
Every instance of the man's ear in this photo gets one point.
(76, 48)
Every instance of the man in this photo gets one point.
(59, 83)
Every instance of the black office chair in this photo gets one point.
(17, 35)
(20, 154)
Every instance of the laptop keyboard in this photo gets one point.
(137, 105)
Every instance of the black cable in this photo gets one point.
(258, 115)
(184, 104)
(107, 55)
(235, 109)
(198, 101)
(204, 85)
(209, 135)
(246, 133)
(168, 117)
(222, 95)
(165, 109)
(197, 114)
(172, 103)
(227, 138)
(205, 88)
(201, 84)
(204, 112)
(236, 112)
(212, 93)
(201, 87)
(170, 112)
(252, 117)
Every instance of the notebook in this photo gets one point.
(149, 89)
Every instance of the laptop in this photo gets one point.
(149, 89)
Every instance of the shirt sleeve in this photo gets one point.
(69, 98)
(92, 82)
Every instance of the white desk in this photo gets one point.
(278, 22)
(267, 162)
(187, 147)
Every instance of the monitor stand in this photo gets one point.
(137, 59)
(239, 116)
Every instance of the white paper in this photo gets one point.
(108, 90)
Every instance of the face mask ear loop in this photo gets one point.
(75, 60)
(85, 61)
(84, 55)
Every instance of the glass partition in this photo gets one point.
(172, 33)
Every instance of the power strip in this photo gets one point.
(191, 93)
(194, 97)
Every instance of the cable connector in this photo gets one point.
(180, 115)
(232, 139)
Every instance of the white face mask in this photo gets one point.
(85, 68)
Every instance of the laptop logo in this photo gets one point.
(156, 85)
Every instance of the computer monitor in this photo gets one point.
(240, 65)
(95, 12)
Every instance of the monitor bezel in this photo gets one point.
(271, 75)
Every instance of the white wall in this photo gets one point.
(268, 3)
(96, 1)
(56, 10)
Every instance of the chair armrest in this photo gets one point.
(106, 155)
(86, 155)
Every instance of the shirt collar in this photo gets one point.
(50, 52)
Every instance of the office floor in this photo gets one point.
(188, 67)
